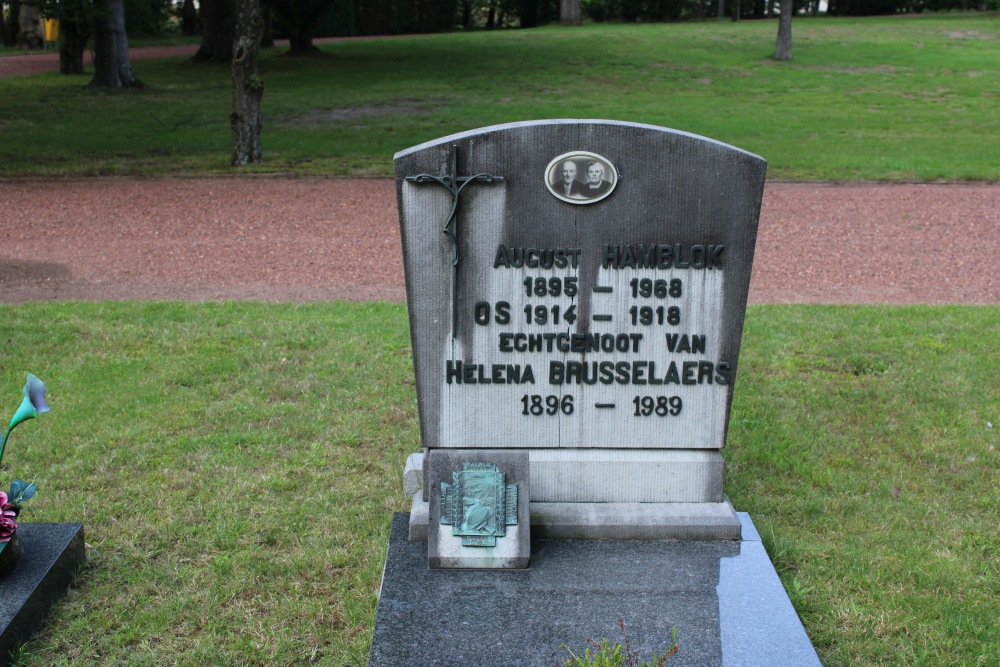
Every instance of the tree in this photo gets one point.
(112, 67)
(300, 18)
(783, 47)
(569, 12)
(527, 13)
(217, 32)
(188, 17)
(246, 119)
(77, 19)
(30, 34)
(9, 11)
(74, 32)
(76, 22)
(267, 16)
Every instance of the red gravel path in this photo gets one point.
(36, 62)
(297, 239)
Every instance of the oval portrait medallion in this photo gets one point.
(581, 177)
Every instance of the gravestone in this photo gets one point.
(576, 291)
(52, 553)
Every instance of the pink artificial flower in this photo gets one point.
(7, 516)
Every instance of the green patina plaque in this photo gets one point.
(478, 505)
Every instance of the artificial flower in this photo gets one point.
(32, 405)
(7, 515)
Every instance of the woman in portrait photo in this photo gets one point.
(596, 186)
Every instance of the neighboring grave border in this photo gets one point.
(52, 553)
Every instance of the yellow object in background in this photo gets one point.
(51, 30)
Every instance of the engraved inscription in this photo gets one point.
(646, 347)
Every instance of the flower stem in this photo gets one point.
(3, 444)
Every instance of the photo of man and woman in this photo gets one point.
(581, 178)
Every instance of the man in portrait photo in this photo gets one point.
(595, 186)
(567, 185)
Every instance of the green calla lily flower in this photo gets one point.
(32, 405)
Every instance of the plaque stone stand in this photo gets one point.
(480, 518)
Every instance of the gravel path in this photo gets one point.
(37, 62)
(301, 239)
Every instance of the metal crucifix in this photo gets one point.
(454, 184)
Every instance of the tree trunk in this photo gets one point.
(736, 11)
(73, 36)
(783, 47)
(30, 33)
(300, 18)
(300, 43)
(217, 32)
(569, 12)
(527, 13)
(770, 8)
(246, 119)
(491, 16)
(722, 9)
(466, 14)
(267, 16)
(189, 16)
(112, 68)
(8, 22)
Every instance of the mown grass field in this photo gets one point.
(236, 466)
(894, 98)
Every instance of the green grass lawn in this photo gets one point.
(236, 466)
(878, 98)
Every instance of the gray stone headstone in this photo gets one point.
(576, 290)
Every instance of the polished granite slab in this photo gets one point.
(52, 554)
(724, 597)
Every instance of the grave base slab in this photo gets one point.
(52, 554)
(724, 597)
